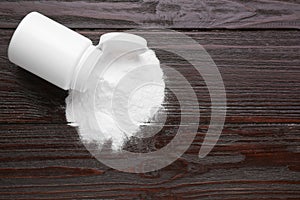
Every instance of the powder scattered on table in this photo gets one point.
(109, 110)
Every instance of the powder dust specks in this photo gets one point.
(119, 99)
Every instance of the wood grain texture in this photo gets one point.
(260, 71)
(208, 14)
(258, 153)
(249, 161)
(256, 157)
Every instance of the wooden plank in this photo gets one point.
(257, 156)
(260, 70)
(208, 14)
(250, 161)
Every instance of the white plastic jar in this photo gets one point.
(61, 55)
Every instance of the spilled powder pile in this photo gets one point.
(119, 99)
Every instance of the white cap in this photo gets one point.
(52, 51)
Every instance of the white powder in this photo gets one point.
(119, 100)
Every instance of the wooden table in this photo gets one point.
(256, 46)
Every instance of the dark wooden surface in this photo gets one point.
(257, 156)
(168, 13)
